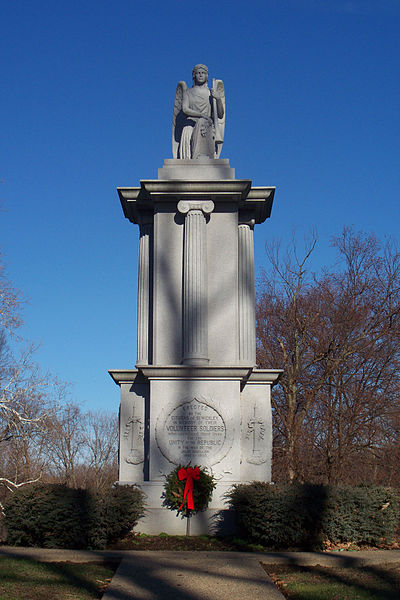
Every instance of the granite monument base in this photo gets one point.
(217, 519)
(214, 417)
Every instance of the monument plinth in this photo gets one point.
(196, 394)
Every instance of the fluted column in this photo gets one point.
(144, 295)
(247, 314)
(195, 289)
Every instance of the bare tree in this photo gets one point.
(337, 337)
(287, 319)
(25, 401)
(361, 362)
(43, 434)
(66, 441)
(11, 301)
(82, 447)
(25, 416)
(101, 449)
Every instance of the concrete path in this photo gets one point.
(200, 575)
(191, 576)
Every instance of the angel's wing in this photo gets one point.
(176, 127)
(218, 85)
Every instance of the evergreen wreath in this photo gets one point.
(174, 489)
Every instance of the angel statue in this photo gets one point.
(198, 122)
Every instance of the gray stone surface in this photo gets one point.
(195, 281)
(215, 399)
(191, 576)
(246, 293)
(205, 169)
(198, 121)
(196, 396)
(256, 432)
(144, 300)
(232, 436)
(138, 202)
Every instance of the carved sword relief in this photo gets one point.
(134, 433)
(256, 432)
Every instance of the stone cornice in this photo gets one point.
(236, 189)
(138, 202)
(123, 375)
(195, 372)
(259, 201)
(265, 376)
(242, 373)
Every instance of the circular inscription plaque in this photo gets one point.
(193, 431)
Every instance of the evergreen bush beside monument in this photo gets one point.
(283, 516)
(55, 516)
(307, 516)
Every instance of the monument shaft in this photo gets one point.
(196, 395)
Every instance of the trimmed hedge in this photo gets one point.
(284, 516)
(55, 516)
(114, 514)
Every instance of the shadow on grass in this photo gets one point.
(45, 578)
(157, 575)
(374, 581)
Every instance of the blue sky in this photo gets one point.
(313, 104)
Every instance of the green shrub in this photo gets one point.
(114, 514)
(48, 516)
(282, 516)
(363, 514)
(55, 516)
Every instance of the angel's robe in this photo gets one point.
(197, 135)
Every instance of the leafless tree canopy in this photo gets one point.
(336, 334)
(43, 435)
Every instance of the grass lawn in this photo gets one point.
(322, 583)
(24, 579)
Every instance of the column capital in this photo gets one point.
(246, 217)
(246, 222)
(206, 206)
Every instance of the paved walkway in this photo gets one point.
(200, 575)
(191, 576)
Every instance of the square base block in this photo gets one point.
(201, 169)
(158, 519)
(214, 417)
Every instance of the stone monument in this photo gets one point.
(196, 394)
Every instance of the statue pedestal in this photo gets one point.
(196, 395)
(200, 169)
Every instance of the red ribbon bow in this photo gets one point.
(189, 474)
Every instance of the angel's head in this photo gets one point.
(200, 74)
